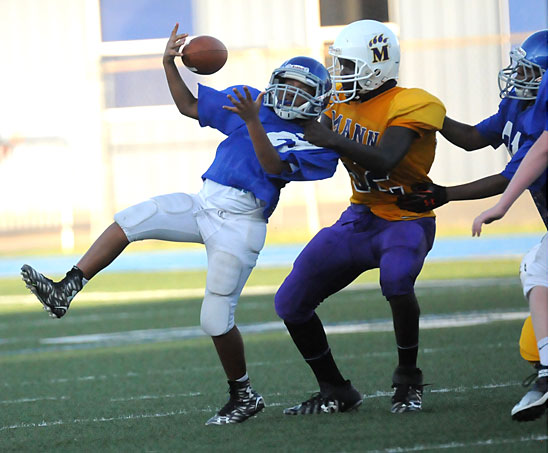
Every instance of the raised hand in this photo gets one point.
(174, 44)
(244, 106)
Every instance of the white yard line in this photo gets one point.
(468, 445)
(191, 293)
(44, 423)
(378, 394)
(179, 333)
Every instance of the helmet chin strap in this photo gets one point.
(369, 94)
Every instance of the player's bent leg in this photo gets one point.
(167, 217)
(105, 249)
(401, 262)
(314, 278)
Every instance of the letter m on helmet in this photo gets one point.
(379, 55)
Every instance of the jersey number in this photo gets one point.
(284, 141)
(367, 182)
(513, 145)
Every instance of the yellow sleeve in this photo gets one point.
(416, 109)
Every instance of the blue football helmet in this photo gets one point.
(528, 63)
(290, 102)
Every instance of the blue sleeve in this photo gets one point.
(491, 128)
(512, 166)
(311, 165)
(211, 113)
(307, 162)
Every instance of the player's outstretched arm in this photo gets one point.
(481, 188)
(248, 109)
(532, 166)
(426, 196)
(463, 135)
(381, 159)
(184, 99)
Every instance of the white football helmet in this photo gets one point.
(374, 51)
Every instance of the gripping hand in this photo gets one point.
(425, 196)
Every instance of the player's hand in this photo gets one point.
(425, 196)
(317, 134)
(174, 45)
(488, 216)
(244, 106)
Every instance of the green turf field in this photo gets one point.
(133, 373)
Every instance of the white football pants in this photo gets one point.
(533, 270)
(233, 243)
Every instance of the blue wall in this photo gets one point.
(123, 20)
(528, 15)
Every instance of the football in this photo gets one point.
(204, 55)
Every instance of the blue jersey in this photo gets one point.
(517, 125)
(236, 164)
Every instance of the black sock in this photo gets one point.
(406, 316)
(311, 341)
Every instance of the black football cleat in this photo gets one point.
(55, 297)
(534, 403)
(409, 388)
(329, 401)
(244, 402)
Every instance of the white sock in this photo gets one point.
(244, 378)
(84, 281)
(543, 351)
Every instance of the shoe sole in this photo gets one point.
(406, 409)
(260, 408)
(353, 408)
(532, 412)
(26, 275)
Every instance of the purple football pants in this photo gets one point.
(357, 242)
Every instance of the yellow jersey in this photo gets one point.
(365, 122)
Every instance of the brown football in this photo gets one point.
(204, 55)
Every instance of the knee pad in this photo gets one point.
(222, 283)
(151, 218)
(217, 315)
(134, 215)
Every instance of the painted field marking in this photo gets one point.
(479, 443)
(260, 290)
(44, 423)
(253, 364)
(180, 333)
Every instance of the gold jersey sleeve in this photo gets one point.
(366, 122)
